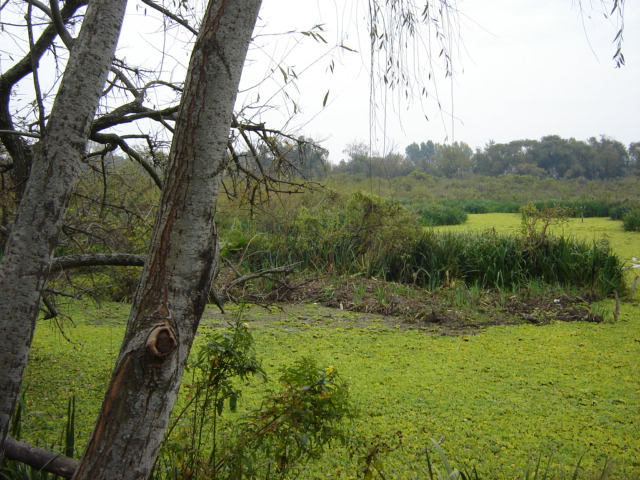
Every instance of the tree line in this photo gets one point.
(550, 157)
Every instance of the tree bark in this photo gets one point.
(27, 257)
(178, 273)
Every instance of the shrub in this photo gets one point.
(438, 214)
(354, 234)
(369, 236)
(291, 426)
(483, 206)
(618, 212)
(489, 260)
(631, 221)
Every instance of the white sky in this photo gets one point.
(524, 69)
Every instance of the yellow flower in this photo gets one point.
(330, 369)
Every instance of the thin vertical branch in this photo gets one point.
(34, 67)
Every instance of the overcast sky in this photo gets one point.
(523, 69)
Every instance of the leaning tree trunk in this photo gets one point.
(27, 255)
(179, 268)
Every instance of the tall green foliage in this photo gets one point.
(358, 233)
(366, 235)
(631, 221)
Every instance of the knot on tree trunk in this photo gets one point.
(161, 340)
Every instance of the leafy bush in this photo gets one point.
(438, 214)
(618, 212)
(483, 206)
(366, 235)
(631, 221)
(358, 233)
(489, 260)
(291, 426)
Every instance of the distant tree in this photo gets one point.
(609, 158)
(358, 159)
(397, 165)
(422, 156)
(559, 157)
(500, 158)
(455, 159)
(634, 158)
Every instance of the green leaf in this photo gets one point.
(348, 48)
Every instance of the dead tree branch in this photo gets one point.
(41, 459)
(96, 260)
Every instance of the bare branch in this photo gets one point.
(97, 260)
(173, 17)
(20, 150)
(127, 82)
(286, 269)
(42, 7)
(112, 138)
(130, 113)
(41, 459)
(49, 308)
(21, 134)
(63, 33)
(36, 77)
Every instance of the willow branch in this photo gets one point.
(172, 16)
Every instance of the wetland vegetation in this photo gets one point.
(488, 336)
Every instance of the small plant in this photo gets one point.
(381, 295)
(291, 426)
(359, 292)
(536, 222)
(448, 473)
(193, 450)
(371, 454)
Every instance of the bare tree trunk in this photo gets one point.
(178, 273)
(27, 256)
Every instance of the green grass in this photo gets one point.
(497, 400)
(497, 397)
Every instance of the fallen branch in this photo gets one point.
(97, 259)
(40, 458)
(259, 274)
